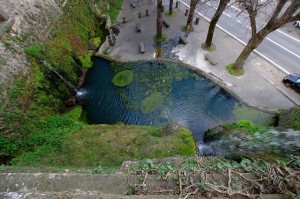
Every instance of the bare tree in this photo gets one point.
(193, 5)
(222, 5)
(159, 20)
(285, 11)
(171, 7)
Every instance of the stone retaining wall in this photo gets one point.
(30, 21)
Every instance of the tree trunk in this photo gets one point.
(171, 7)
(191, 14)
(251, 45)
(159, 21)
(215, 19)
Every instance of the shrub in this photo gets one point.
(86, 61)
(249, 126)
(34, 50)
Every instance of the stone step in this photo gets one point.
(77, 194)
(59, 185)
(58, 182)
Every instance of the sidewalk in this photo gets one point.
(260, 86)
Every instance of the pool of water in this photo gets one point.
(171, 92)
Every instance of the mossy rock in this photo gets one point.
(171, 128)
(244, 139)
(152, 102)
(290, 118)
(123, 78)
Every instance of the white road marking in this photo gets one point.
(226, 14)
(239, 40)
(238, 21)
(283, 47)
(236, 8)
(288, 35)
(248, 27)
(275, 30)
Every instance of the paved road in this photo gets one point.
(279, 48)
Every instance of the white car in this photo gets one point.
(297, 24)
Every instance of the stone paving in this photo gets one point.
(261, 84)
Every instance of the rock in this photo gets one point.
(171, 128)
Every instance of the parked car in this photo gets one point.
(297, 24)
(293, 81)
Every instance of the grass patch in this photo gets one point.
(100, 147)
(231, 71)
(174, 14)
(152, 102)
(163, 38)
(123, 78)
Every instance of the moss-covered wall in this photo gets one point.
(39, 94)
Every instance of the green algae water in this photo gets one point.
(155, 93)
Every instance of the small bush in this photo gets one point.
(249, 126)
(86, 61)
(34, 50)
(96, 41)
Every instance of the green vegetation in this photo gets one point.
(218, 177)
(96, 41)
(31, 116)
(245, 139)
(86, 61)
(163, 38)
(246, 126)
(34, 50)
(174, 14)
(289, 118)
(231, 71)
(152, 102)
(209, 49)
(55, 139)
(242, 112)
(115, 7)
(47, 139)
(123, 78)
